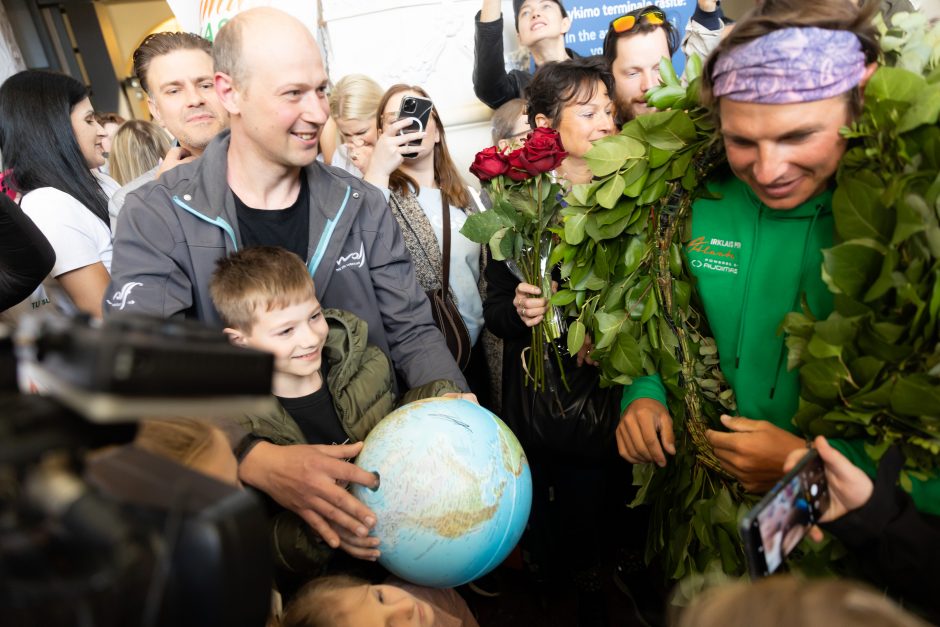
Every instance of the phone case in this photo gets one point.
(419, 109)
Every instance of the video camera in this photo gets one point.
(130, 538)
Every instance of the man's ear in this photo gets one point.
(227, 92)
(235, 336)
(154, 112)
(542, 121)
(869, 70)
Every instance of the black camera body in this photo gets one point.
(120, 536)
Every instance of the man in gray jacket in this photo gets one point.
(260, 184)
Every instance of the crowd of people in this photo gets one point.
(295, 216)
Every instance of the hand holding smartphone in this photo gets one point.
(773, 528)
(419, 111)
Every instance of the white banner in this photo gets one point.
(206, 17)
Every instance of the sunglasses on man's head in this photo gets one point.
(626, 23)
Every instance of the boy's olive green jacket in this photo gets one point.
(360, 383)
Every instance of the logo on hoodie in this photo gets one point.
(352, 260)
(120, 298)
(713, 254)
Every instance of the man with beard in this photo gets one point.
(260, 184)
(175, 71)
(634, 45)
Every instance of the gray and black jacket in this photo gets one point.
(171, 233)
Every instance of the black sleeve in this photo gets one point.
(898, 545)
(499, 313)
(491, 83)
(26, 257)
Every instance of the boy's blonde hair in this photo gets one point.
(258, 279)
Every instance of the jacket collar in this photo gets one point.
(210, 194)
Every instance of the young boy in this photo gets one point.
(332, 386)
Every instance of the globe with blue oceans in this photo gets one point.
(455, 491)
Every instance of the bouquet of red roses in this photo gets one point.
(520, 227)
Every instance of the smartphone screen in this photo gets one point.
(775, 526)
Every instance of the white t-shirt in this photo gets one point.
(78, 237)
(464, 260)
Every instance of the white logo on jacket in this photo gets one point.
(120, 297)
(352, 260)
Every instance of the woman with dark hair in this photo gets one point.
(566, 525)
(423, 183)
(50, 141)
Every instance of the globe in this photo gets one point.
(455, 491)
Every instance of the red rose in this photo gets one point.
(542, 151)
(488, 163)
(518, 170)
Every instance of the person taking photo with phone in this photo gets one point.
(878, 522)
(412, 165)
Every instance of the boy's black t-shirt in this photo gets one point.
(315, 414)
(288, 228)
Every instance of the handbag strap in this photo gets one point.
(445, 256)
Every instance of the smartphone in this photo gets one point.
(776, 525)
(419, 110)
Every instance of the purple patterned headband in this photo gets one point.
(791, 65)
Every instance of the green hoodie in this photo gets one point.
(752, 265)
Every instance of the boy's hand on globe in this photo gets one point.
(303, 478)
(361, 548)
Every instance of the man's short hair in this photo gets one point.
(255, 280)
(158, 44)
(227, 51)
(642, 26)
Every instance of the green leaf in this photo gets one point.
(852, 266)
(609, 154)
(925, 110)
(823, 378)
(659, 156)
(636, 249)
(669, 130)
(575, 337)
(667, 73)
(916, 395)
(626, 356)
(501, 244)
(858, 211)
(574, 228)
(891, 83)
(610, 192)
(481, 226)
(563, 297)
(909, 222)
(653, 192)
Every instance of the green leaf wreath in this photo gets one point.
(627, 281)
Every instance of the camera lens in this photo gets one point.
(410, 105)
